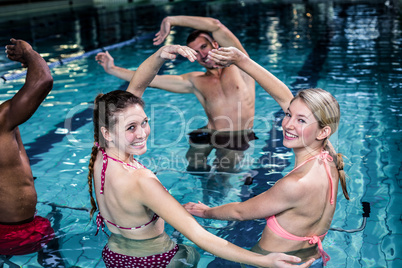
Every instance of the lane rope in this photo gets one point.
(13, 76)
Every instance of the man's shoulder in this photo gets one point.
(194, 75)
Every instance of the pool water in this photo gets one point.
(352, 50)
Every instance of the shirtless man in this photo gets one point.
(21, 231)
(227, 94)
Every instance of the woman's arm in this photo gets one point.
(226, 56)
(147, 71)
(283, 196)
(156, 198)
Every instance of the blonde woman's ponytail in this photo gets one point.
(342, 175)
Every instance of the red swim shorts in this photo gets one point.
(25, 238)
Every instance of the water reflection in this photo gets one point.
(353, 51)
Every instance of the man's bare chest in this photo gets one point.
(225, 86)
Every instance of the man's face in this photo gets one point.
(202, 45)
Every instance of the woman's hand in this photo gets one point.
(171, 51)
(196, 209)
(225, 56)
(281, 260)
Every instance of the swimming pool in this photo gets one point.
(351, 50)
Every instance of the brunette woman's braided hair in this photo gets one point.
(105, 107)
(326, 111)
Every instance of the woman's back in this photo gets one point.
(120, 203)
(312, 210)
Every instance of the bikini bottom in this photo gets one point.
(159, 251)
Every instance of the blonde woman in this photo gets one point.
(299, 208)
(132, 202)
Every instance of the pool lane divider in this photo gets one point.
(61, 61)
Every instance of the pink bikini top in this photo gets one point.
(99, 218)
(273, 224)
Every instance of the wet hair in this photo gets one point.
(105, 108)
(192, 36)
(326, 111)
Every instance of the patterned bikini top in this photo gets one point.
(100, 220)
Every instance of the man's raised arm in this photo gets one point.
(107, 62)
(38, 84)
(220, 32)
(172, 83)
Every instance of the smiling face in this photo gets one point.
(202, 45)
(300, 127)
(131, 131)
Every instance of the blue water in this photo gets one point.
(351, 50)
